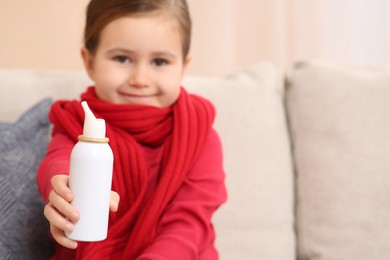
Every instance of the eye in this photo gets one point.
(160, 62)
(121, 59)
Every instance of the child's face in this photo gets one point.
(139, 60)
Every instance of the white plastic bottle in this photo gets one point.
(90, 177)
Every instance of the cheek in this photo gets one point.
(172, 87)
(106, 84)
(109, 77)
(172, 93)
(172, 79)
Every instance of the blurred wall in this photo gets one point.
(227, 35)
(41, 33)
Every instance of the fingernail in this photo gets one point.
(75, 215)
(69, 196)
(75, 245)
(69, 227)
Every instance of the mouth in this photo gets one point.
(137, 98)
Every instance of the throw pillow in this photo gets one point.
(340, 129)
(24, 232)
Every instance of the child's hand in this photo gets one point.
(114, 201)
(61, 214)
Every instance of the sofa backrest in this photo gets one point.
(257, 222)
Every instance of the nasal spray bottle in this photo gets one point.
(90, 176)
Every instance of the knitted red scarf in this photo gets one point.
(181, 129)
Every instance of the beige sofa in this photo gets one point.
(307, 155)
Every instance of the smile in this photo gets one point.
(137, 95)
(141, 99)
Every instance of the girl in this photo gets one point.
(168, 161)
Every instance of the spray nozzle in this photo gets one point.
(93, 127)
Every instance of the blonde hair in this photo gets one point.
(102, 12)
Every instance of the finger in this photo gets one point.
(114, 201)
(63, 206)
(60, 237)
(56, 219)
(60, 186)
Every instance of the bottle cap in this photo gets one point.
(93, 127)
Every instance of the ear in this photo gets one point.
(187, 62)
(88, 59)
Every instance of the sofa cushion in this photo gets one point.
(257, 221)
(340, 127)
(24, 230)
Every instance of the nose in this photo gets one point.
(138, 77)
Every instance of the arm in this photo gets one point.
(185, 230)
(55, 162)
(53, 185)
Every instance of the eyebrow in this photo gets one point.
(119, 50)
(158, 53)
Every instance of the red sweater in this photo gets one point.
(185, 230)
